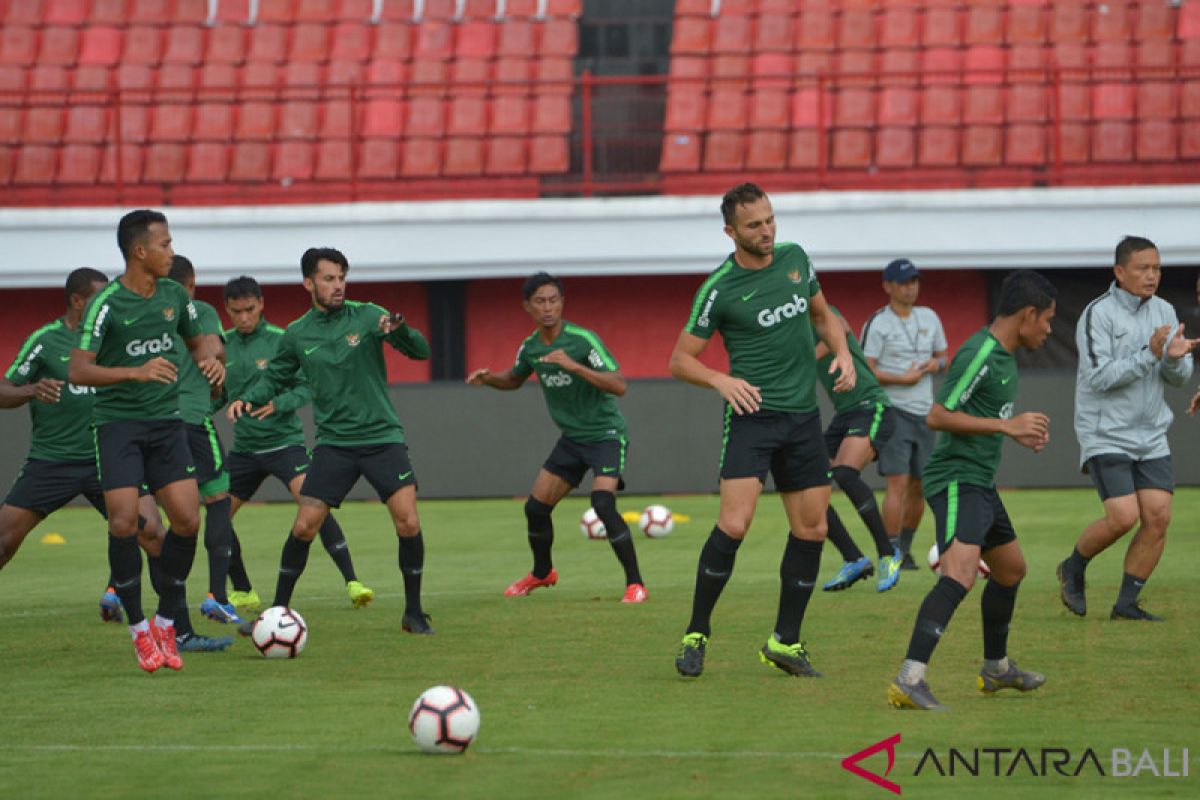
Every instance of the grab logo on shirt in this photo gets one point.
(557, 380)
(73, 389)
(772, 316)
(142, 347)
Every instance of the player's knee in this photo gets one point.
(1121, 521)
(734, 528)
(1156, 520)
(407, 523)
(305, 531)
(122, 525)
(186, 524)
(536, 511)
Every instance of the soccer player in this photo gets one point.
(762, 299)
(1130, 346)
(336, 348)
(127, 330)
(861, 426)
(270, 439)
(905, 346)
(975, 411)
(580, 381)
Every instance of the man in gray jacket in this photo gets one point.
(1130, 344)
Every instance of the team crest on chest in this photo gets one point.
(794, 276)
(261, 363)
(352, 339)
(168, 314)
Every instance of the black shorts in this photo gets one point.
(132, 452)
(44, 487)
(971, 514)
(786, 444)
(209, 458)
(247, 471)
(876, 422)
(335, 469)
(1118, 475)
(570, 460)
(909, 447)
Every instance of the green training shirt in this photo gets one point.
(339, 354)
(62, 431)
(982, 382)
(866, 391)
(245, 357)
(125, 329)
(763, 316)
(195, 392)
(580, 410)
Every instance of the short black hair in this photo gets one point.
(182, 270)
(1130, 245)
(537, 281)
(308, 261)
(739, 195)
(134, 225)
(1025, 288)
(243, 286)
(80, 281)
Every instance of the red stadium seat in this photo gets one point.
(1027, 103)
(100, 45)
(767, 151)
(857, 29)
(214, 122)
(90, 82)
(1111, 22)
(942, 65)
(351, 41)
(1112, 101)
(894, 147)
(1074, 101)
(771, 70)
(851, 149)
(131, 122)
(1026, 63)
(688, 35)
(680, 153)
(1156, 140)
(1112, 141)
(559, 37)
(255, 121)
(731, 35)
(855, 107)
(337, 118)
(60, 46)
(730, 72)
(298, 119)
(1108, 56)
(810, 63)
(36, 164)
(816, 29)
(49, 79)
(64, 12)
(1156, 100)
(1026, 24)
(981, 145)
(985, 25)
(176, 82)
(429, 76)
(133, 77)
(293, 162)
(1189, 141)
(937, 147)
(382, 117)
(393, 41)
(726, 110)
(87, 124)
(804, 149)
(143, 45)
(943, 28)
(941, 105)
(219, 81)
(548, 155)
(770, 109)
(475, 39)
(551, 114)
(1155, 22)
(899, 67)
(12, 81)
(435, 40)
(344, 73)
(899, 27)
(184, 45)
(773, 33)
(554, 74)
(386, 74)
(807, 111)
(121, 164)
(208, 162)
(856, 66)
(512, 75)
(379, 159)
(268, 44)
(468, 116)
(984, 64)
(191, 12)
(78, 164)
(251, 162)
(334, 159)
(1068, 21)
(1071, 143)
(422, 158)
(509, 115)
(18, 45)
(43, 125)
(470, 75)
(172, 122)
(426, 117)
(463, 157)
(303, 79)
(724, 151)
(165, 163)
(1025, 145)
(1071, 57)
(898, 106)
(260, 79)
(1154, 53)
(984, 105)
(310, 42)
(506, 155)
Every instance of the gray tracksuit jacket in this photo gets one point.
(1119, 404)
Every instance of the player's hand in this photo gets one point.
(236, 409)
(843, 367)
(1158, 340)
(560, 358)
(1180, 346)
(741, 396)
(913, 374)
(48, 390)
(931, 367)
(390, 322)
(213, 370)
(156, 370)
(1031, 429)
(262, 412)
(1194, 406)
(479, 377)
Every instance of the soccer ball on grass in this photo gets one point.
(280, 632)
(592, 526)
(656, 521)
(444, 719)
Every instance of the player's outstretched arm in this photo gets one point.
(686, 365)
(84, 371)
(832, 330)
(1030, 429)
(400, 335)
(505, 381)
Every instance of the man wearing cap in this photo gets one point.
(905, 345)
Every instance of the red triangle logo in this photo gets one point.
(851, 763)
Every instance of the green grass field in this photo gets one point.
(578, 694)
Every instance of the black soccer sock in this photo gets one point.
(851, 482)
(183, 620)
(412, 565)
(797, 577)
(238, 577)
(291, 567)
(178, 553)
(218, 534)
(841, 537)
(619, 539)
(334, 541)
(125, 565)
(1077, 562)
(712, 573)
(1131, 587)
(933, 617)
(541, 535)
(997, 606)
(906, 539)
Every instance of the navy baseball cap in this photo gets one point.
(900, 270)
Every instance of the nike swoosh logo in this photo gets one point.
(301, 468)
(404, 475)
(308, 350)
(190, 470)
(1004, 381)
(64, 358)
(130, 321)
(746, 297)
(854, 431)
(608, 469)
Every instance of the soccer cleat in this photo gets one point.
(635, 593)
(245, 601)
(110, 606)
(889, 571)
(149, 656)
(907, 564)
(360, 596)
(527, 584)
(1013, 678)
(195, 643)
(690, 660)
(219, 612)
(416, 623)
(1071, 588)
(165, 639)
(1135, 612)
(913, 696)
(247, 627)
(851, 573)
(791, 658)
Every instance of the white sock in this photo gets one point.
(912, 672)
(162, 622)
(142, 626)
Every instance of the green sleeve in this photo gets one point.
(24, 368)
(520, 367)
(189, 317)
(705, 318)
(283, 374)
(298, 396)
(409, 341)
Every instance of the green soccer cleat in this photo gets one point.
(791, 658)
(360, 596)
(690, 660)
(1012, 678)
(245, 601)
(889, 571)
(916, 696)
(851, 573)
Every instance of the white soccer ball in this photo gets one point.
(935, 561)
(444, 719)
(592, 526)
(656, 521)
(280, 632)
